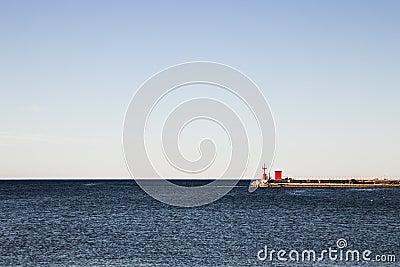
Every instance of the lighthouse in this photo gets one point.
(264, 176)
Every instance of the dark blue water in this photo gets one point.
(114, 223)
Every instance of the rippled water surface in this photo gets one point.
(114, 223)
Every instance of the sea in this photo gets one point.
(115, 223)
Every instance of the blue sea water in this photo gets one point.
(115, 223)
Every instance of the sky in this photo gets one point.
(329, 70)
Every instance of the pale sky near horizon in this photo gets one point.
(329, 69)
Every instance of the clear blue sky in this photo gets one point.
(330, 71)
